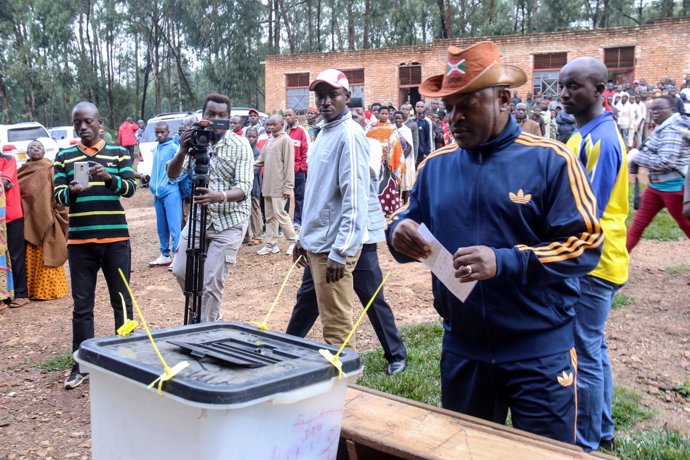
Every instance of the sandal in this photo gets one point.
(18, 303)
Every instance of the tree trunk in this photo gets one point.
(666, 9)
(351, 26)
(442, 17)
(288, 30)
(318, 26)
(5, 100)
(147, 69)
(276, 25)
(367, 21)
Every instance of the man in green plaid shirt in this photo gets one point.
(228, 200)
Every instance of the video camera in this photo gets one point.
(203, 136)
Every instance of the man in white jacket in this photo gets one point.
(335, 213)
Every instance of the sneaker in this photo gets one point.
(396, 367)
(75, 379)
(162, 261)
(268, 250)
(290, 249)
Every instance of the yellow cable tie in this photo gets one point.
(335, 360)
(168, 373)
(129, 324)
(263, 325)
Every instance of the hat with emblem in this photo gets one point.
(472, 69)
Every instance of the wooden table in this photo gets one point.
(381, 426)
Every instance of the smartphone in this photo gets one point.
(81, 172)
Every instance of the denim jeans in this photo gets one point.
(594, 377)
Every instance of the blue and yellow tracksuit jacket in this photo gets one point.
(601, 149)
(528, 199)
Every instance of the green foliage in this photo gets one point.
(662, 228)
(421, 380)
(620, 300)
(132, 57)
(653, 445)
(628, 409)
(58, 363)
(683, 388)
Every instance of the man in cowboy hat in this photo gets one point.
(520, 217)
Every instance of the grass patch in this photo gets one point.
(676, 269)
(621, 300)
(61, 362)
(421, 380)
(26, 362)
(683, 389)
(662, 228)
(653, 445)
(628, 409)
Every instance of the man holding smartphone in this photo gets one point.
(98, 236)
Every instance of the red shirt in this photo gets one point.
(301, 141)
(13, 206)
(126, 135)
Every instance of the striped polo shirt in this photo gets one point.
(95, 215)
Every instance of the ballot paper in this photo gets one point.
(441, 264)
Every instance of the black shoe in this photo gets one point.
(396, 366)
(608, 444)
(75, 378)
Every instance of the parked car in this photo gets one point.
(174, 120)
(14, 140)
(148, 140)
(65, 136)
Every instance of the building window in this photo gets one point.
(356, 79)
(297, 92)
(621, 64)
(545, 73)
(409, 79)
(410, 75)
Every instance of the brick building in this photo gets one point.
(648, 52)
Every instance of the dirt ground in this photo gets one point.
(649, 338)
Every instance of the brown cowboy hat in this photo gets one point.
(471, 69)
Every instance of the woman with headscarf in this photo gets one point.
(45, 227)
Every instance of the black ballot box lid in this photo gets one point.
(230, 363)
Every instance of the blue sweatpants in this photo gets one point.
(541, 393)
(168, 221)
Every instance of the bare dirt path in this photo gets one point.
(649, 338)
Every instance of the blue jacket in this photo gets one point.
(160, 184)
(528, 199)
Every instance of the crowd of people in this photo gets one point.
(530, 196)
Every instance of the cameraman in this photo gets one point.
(227, 197)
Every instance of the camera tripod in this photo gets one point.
(196, 255)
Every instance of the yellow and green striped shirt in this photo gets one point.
(95, 215)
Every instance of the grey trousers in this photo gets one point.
(221, 254)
